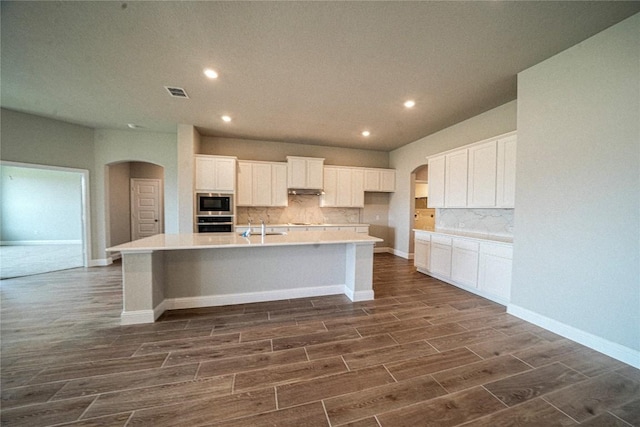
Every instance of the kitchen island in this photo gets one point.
(175, 271)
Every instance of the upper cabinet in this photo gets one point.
(481, 188)
(343, 187)
(506, 172)
(436, 182)
(215, 174)
(480, 175)
(262, 184)
(305, 172)
(380, 180)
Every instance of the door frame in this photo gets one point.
(160, 182)
(85, 201)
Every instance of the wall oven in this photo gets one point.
(213, 204)
(215, 224)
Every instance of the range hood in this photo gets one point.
(305, 192)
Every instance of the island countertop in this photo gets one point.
(166, 242)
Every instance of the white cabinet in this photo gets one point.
(305, 172)
(495, 270)
(380, 180)
(436, 180)
(480, 175)
(481, 187)
(440, 256)
(422, 250)
(464, 262)
(262, 184)
(215, 174)
(455, 184)
(506, 172)
(343, 187)
(477, 265)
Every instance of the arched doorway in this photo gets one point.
(422, 217)
(123, 181)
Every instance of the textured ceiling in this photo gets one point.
(304, 72)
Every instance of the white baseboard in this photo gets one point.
(617, 351)
(102, 262)
(401, 254)
(381, 250)
(136, 317)
(39, 242)
(359, 295)
(249, 297)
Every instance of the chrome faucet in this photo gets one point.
(263, 228)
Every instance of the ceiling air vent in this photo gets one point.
(177, 92)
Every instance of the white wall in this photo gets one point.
(576, 259)
(114, 146)
(407, 158)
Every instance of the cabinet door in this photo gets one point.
(357, 188)
(371, 180)
(436, 182)
(464, 262)
(343, 197)
(261, 184)
(315, 173)
(297, 172)
(388, 181)
(225, 170)
(279, 193)
(495, 270)
(481, 187)
(244, 195)
(205, 174)
(421, 254)
(330, 179)
(506, 172)
(455, 184)
(440, 256)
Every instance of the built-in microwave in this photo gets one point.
(214, 204)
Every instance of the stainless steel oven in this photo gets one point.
(215, 224)
(212, 204)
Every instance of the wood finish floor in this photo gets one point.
(423, 353)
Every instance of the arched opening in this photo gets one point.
(422, 217)
(134, 201)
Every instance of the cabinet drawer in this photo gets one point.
(503, 251)
(423, 236)
(466, 244)
(443, 240)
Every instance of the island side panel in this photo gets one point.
(143, 286)
(220, 276)
(359, 271)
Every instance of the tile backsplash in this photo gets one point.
(490, 222)
(301, 209)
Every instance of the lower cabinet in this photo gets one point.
(495, 270)
(477, 265)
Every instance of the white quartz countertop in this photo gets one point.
(166, 242)
(470, 235)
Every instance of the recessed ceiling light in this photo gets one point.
(210, 73)
(133, 126)
(226, 118)
(366, 133)
(410, 103)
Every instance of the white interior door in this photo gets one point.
(146, 208)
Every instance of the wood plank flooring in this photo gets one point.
(423, 353)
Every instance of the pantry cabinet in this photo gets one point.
(343, 187)
(216, 174)
(262, 184)
(305, 172)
